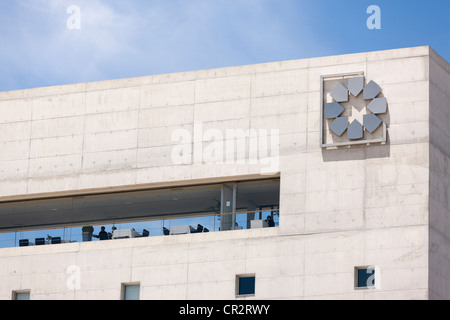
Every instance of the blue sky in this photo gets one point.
(121, 39)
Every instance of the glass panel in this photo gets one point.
(255, 194)
(96, 209)
(366, 278)
(246, 285)
(142, 213)
(132, 292)
(7, 240)
(22, 296)
(40, 237)
(260, 199)
(241, 221)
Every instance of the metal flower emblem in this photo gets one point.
(340, 94)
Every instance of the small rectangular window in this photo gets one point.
(245, 285)
(21, 295)
(366, 277)
(131, 291)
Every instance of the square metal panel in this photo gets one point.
(356, 85)
(355, 130)
(378, 106)
(332, 131)
(372, 90)
(340, 93)
(339, 125)
(333, 110)
(371, 122)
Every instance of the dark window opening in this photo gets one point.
(246, 285)
(365, 277)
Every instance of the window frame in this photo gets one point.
(15, 293)
(237, 285)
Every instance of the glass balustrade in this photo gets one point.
(137, 229)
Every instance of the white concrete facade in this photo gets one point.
(385, 205)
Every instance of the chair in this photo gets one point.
(199, 228)
(205, 230)
(56, 240)
(40, 241)
(145, 233)
(166, 231)
(24, 243)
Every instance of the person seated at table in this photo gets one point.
(103, 235)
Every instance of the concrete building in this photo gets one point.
(361, 206)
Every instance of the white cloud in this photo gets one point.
(42, 46)
(131, 38)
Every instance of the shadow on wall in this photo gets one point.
(362, 151)
(357, 152)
